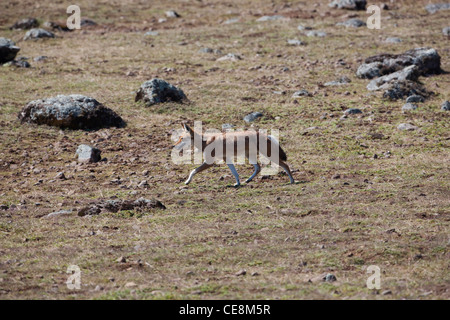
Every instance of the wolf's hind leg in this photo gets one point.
(235, 174)
(288, 171)
(257, 170)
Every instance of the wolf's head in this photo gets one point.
(186, 136)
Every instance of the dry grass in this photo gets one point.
(287, 234)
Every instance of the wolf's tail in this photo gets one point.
(281, 152)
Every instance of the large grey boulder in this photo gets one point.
(72, 112)
(427, 61)
(38, 33)
(8, 50)
(369, 70)
(158, 91)
(435, 7)
(408, 73)
(349, 4)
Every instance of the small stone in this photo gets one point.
(60, 176)
(232, 20)
(159, 91)
(227, 126)
(446, 31)
(445, 106)
(130, 285)
(121, 260)
(330, 277)
(295, 42)
(270, 18)
(435, 7)
(38, 34)
(242, 272)
(143, 184)
(415, 98)
(341, 81)
(316, 33)
(88, 154)
(348, 4)
(230, 57)
(26, 23)
(355, 23)
(393, 40)
(151, 33)
(252, 116)
(301, 93)
(59, 214)
(409, 106)
(40, 58)
(89, 211)
(302, 28)
(386, 292)
(172, 14)
(406, 127)
(352, 111)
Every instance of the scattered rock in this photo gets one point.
(40, 58)
(349, 4)
(295, 42)
(393, 40)
(130, 285)
(406, 127)
(330, 278)
(141, 203)
(301, 93)
(386, 292)
(25, 24)
(172, 14)
(89, 211)
(409, 106)
(316, 33)
(252, 116)
(38, 34)
(232, 20)
(85, 22)
(8, 50)
(415, 98)
(408, 73)
(435, 7)
(355, 23)
(151, 33)
(209, 50)
(59, 214)
(341, 81)
(88, 154)
(60, 176)
(400, 89)
(369, 70)
(158, 91)
(227, 126)
(242, 272)
(270, 18)
(303, 28)
(20, 63)
(445, 106)
(4, 207)
(230, 57)
(352, 111)
(446, 31)
(72, 112)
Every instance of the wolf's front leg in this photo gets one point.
(202, 167)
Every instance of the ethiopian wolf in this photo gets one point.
(228, 145)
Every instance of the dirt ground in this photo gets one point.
(367, 194)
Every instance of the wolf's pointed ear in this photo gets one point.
(188, 129)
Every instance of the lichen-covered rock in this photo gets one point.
(409, 106)
(8, 50)
(393, 40)
(72, 112)
(316, 33)
(415, 98)
(427, 61)
(400, 89)
(38, 33)
(87, 153)
(349, 4)
(369, 70)
(408, 73)
(141, 203)
(26, 23)
(158, 91)
(339, 82)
